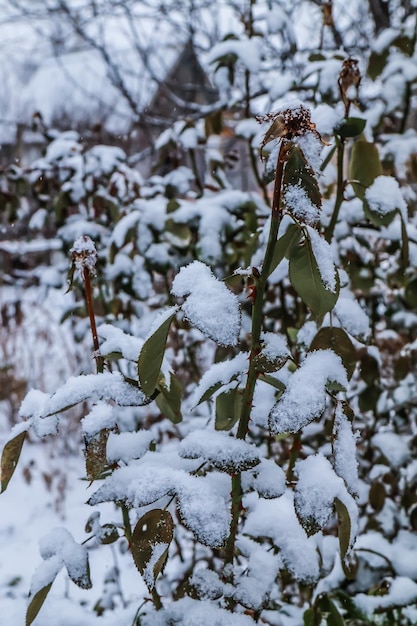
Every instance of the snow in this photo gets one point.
(209, 304)
(324, 258)
(384, 196)
(247, 51)
(226, 453)
(107, 386)
(127, 446)
(316, 490)
(344, 450)
(277, 520)
(351, 316)
(189, 612)
(222, 373)
(305, 396)
(274, 346)
(101, 416)
(394, 448)
(401, 592)
(297, 201)
(267, 479)
(202, 510)
(254, 586)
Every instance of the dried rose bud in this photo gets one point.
(84, 254)
(293, 121)
(349, 80)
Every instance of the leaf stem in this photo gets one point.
(340, 142)
(93, 326)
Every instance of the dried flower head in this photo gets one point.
(84, 254)
(349, 80)
(293, 121)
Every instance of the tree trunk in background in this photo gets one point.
(380, 14)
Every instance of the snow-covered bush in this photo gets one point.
(255, 387)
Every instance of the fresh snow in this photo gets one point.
(305, 396)
(205, 297)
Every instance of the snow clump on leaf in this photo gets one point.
(305, 397)
(209, 304)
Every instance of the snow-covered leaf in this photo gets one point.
(209, 304)
(203, 511)
(150, 542)
(305, 396)
(310, 276)
(336, 339)
(301, 194)
(226, 453)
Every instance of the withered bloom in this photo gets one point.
(84, 254)
(289, 123)
(349, 80)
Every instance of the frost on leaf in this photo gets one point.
(224, 452)
(317, 489)
(209, 304)
(305, 396)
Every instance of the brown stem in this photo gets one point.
(257, 320)
(90, 309)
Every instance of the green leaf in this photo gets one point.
(298, 173)
(369, 369)
(405, 252)
(270, 380)
(209, 392)
(79, 572)
(151, 356)
(328, 606)
(306, 279)
(284, 245)
(36, 603)
(364, 166)
(344, 527)
(377, 495)
(310, 618)
(169, 400)
(410, 293)
(337, 340)
(10, 457)
(96, 454)
(108, 534)
(150, 543)
(345, 530)
(350, 607)
(350, 127)
(376, 218)
(228, 405)
(376, 64)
